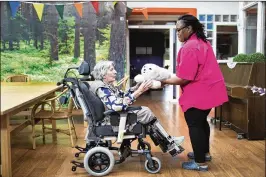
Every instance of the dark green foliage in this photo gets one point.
(257, 57)
(66, 35)
(241, 58)
(254, 57)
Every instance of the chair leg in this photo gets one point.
(43, 131)
(33, 133)
(70, 132)
(73, 125)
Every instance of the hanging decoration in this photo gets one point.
(79, 7)
(95, 4)
(60, 10)
(14, 5)
(145, 13)
(129, 11)
(39, 9)
(114, 3)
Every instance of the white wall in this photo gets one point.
(202, 7)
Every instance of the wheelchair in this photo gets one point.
(104, 127)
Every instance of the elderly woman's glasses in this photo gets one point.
(179, 29)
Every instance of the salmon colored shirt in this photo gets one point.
(196, 62)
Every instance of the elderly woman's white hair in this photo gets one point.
(101, 68)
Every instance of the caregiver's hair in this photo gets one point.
(197, 27)
(100, 69)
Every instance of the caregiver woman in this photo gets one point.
(202, 84)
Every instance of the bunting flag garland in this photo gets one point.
(39, 9)
(79, 7)
(145, 13)
(114, 3)
(14, 5)
(96, 6)
(60, 10)
(129, 11)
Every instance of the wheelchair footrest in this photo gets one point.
(175, 151)
(77, 164)
(81, 149)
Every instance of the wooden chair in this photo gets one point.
(18, 78)
(46, 110)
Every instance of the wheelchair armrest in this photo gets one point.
(130, 108)
(108, 112)
(133, 108)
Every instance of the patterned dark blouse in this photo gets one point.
(115, 99)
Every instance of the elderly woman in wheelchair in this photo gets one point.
(122, 123)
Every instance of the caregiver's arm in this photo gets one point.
(174, 80)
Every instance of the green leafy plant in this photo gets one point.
(256, 57)
(241, 58)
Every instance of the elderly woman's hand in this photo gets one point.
(146, 85)
(134, 88)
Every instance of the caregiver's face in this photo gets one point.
(182, 31)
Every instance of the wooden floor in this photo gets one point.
(231, 157)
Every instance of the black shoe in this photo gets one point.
(207, 157)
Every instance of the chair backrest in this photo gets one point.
(18, 78)
(94, 103)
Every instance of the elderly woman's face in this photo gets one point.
(110, 76)
(182, 31)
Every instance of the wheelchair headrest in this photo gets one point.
(84, 68)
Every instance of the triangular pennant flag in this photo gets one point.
(39, 9)
(79, 7)
(60, 10)
(145, 13)
(14, 5)
(95, 5)
(114, 3)
(129, 11)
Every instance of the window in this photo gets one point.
(209, 18)
(149, 50)
(202, 18)
(209, 26)
(233, 18)
(140, 50)
(225, 18)
(264, 31)
(143, 50)
(251, 29)
(209, 34)
(217, 18)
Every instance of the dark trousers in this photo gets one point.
(199, 132)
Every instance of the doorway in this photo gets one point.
(152, 44)
(148, 46)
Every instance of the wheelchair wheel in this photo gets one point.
(144, 146)
(156, 163)
(99, 161)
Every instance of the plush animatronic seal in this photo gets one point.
(153, 72)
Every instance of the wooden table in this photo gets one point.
(16, 97)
